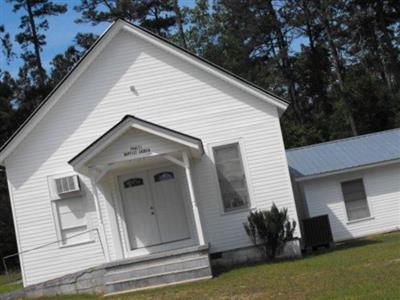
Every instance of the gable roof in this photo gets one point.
(122, 126)
(345, 154)
(125, 124)
(154, 39)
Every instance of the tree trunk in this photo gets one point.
(157, 18)
(285, 62)
(179, 24)
(385, 41)
(35, 40)
(339, 72)
(382, 59)
(309, 31)
(317, 77)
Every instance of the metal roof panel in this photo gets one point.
(345, 153)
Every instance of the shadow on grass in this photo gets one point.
(346, 245)
(219, 270)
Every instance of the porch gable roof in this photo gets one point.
(127, 123)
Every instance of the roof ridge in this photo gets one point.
(188, 51)
(341, 140)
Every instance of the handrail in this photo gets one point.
(48, 244)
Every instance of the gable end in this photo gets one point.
(154, 39)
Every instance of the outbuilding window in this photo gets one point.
(355, 199)
(231, 177)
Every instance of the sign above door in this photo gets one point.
(137, 150)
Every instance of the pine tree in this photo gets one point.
(199, 34)
(330, 17)
(5, 44)
(31, 38)
(63, 63)
(7, 126)
(179, 23)
(155, 15)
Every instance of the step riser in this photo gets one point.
(159, 280)
(161, 267)
(155, 262)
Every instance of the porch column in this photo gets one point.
(196, 213)
(102, 231)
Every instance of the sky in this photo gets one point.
(62, 30)
(61, 33)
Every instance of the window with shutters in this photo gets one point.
(355, 200)
(69, 210)
(71, 220)
(231, 177)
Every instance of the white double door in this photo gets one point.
(153, 207)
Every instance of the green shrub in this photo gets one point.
(269, 230)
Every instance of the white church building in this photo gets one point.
(144, 160)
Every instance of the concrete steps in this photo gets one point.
(182, 265)
(127, 275)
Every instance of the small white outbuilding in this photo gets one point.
(355, 181)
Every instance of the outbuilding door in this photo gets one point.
(153, 207)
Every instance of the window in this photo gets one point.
(355, 199)
(133, 182)
(163, 176)
(69, 210)
(231, 177)
(72, 223)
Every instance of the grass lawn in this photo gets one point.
(10, 283)
(363, 269)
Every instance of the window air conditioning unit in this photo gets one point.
(68, 184)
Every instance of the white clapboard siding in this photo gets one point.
(382, 187)
(170, 92)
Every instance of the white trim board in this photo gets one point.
(17, 234)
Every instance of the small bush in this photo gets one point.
(270, 230)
